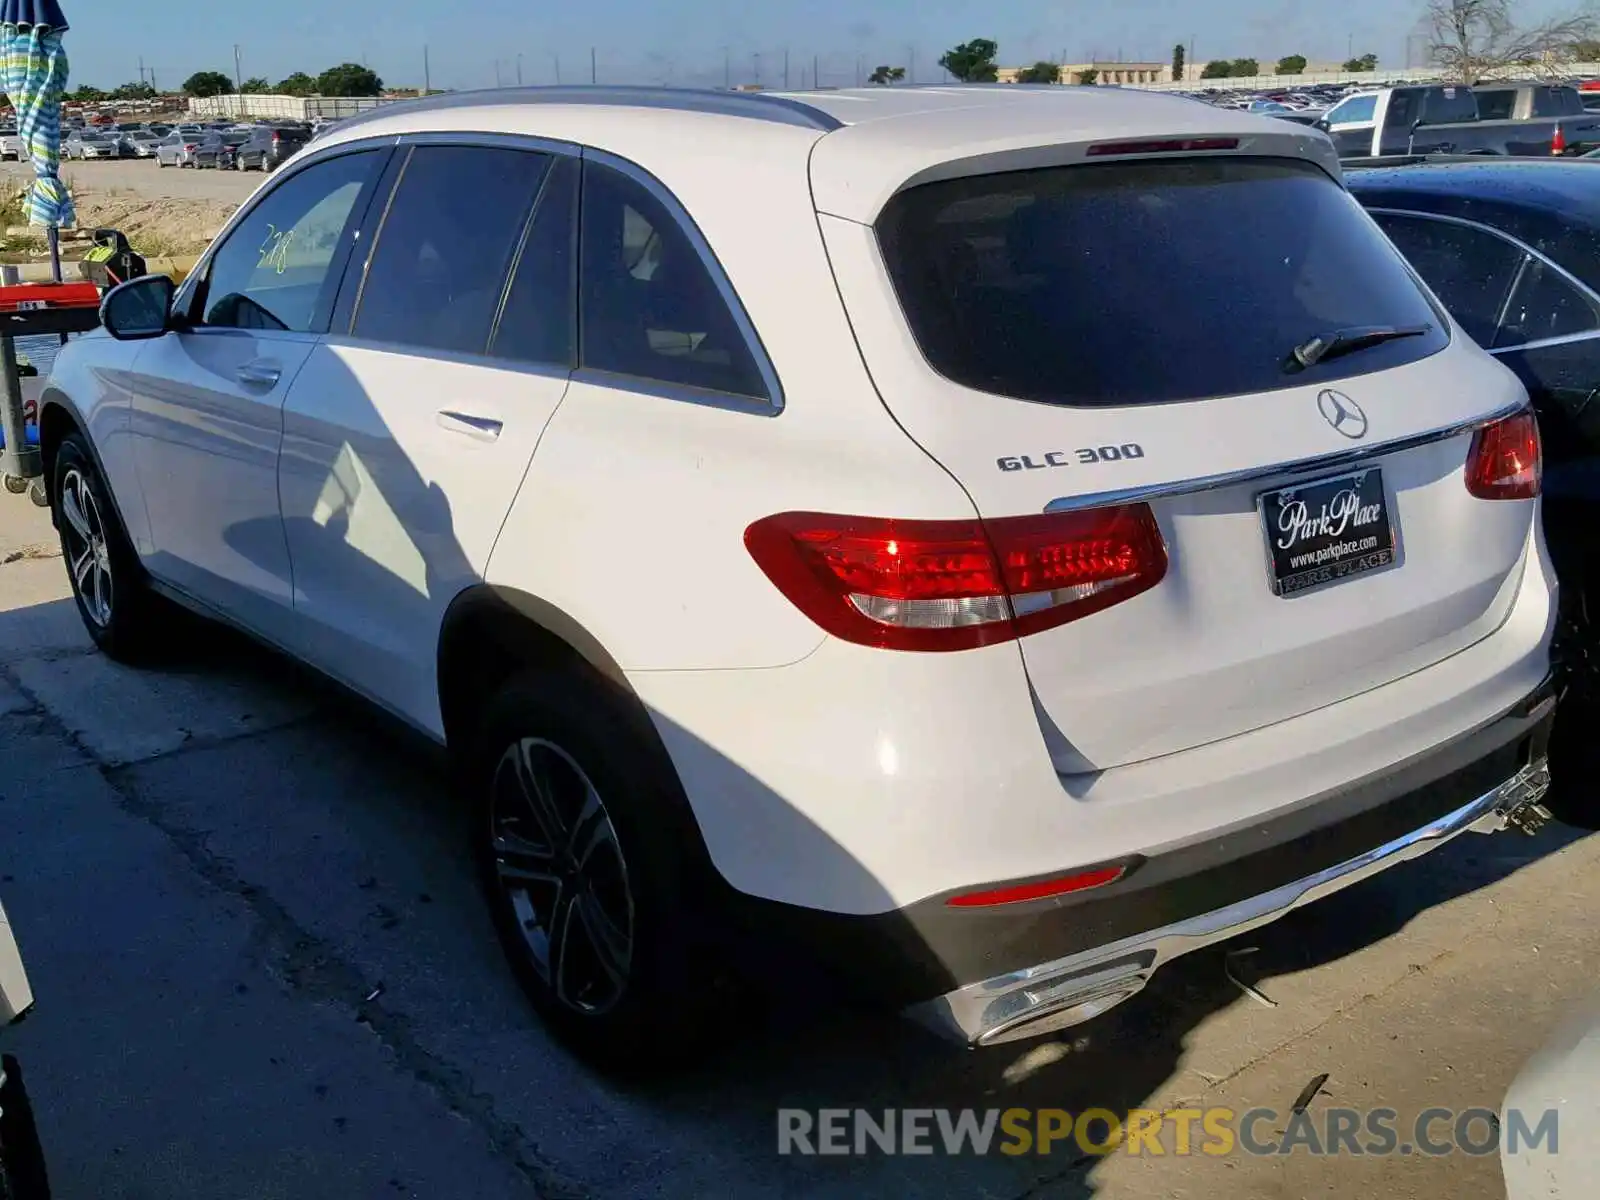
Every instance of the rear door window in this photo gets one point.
(1546, 304)
(1146, 282)
(1497, 105)
(1470, 270)
(439, 268)
(537, 323)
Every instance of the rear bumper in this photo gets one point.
(991, 975)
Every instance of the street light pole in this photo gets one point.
(519, 70)
(238, 79)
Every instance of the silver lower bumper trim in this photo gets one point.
(1055, 995)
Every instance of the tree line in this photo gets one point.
(976, 62)
(1469, 40)
(346, 79)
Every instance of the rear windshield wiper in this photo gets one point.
(1347, 341)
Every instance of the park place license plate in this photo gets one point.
(1321, 532)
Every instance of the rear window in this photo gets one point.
(1146, 282)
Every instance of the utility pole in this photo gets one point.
(498, 81)
(727, 70)
(858, 70)
(594, 69)
(238, 79)
(556, 58)
(755, 60)
(427, 74)
(786, 68)
(911, 64)
(816, 78)
(519, 70)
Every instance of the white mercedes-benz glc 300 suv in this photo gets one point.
(984, 541)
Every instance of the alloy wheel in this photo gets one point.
(560, 865)
(88, 553)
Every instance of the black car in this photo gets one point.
(218, 150)
(269, 146)
(1512, 249)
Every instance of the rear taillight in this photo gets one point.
(276, 138)
(955, 585)
(1506, 461)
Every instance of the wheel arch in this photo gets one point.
(490, 632)
(59, 417)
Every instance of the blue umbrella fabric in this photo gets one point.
(33, 70)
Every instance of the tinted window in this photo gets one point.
(1471, 270)
(1144, 282)
(536, 325)
(273, 269)
(440, 264)
(1497, 106)
(1545, 305)
(1355, 110)
(649, 306)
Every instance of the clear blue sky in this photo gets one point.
(683, 41)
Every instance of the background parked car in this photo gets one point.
(217, 150)
(12, 144)
(143, 143)
(268, 147)
(89, 144)
(1512, 248)
(177, 149)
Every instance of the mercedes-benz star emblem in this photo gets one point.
(1343, 413)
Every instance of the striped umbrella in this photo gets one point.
(33, 70)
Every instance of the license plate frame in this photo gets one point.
(1344, 522)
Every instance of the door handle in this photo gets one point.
(259, 374)
(484, 429)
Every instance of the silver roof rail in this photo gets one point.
(759, 106)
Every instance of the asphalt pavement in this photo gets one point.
(263, 970)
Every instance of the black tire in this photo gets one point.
(123, 617)
(624, 982)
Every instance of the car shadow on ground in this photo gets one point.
(796, 1044)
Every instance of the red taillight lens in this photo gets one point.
(1023, 892)
(956, 585)
(1506, 461)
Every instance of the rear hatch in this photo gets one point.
(1125, 329)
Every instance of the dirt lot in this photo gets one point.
(163, 212)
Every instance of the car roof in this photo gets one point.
(1553, 186)
(857, 146)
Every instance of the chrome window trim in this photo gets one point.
(1319, 462)
(463, 358)
(499, 141)
(1564, 340)
(682, 393)
(1518, 244)
(773, 402)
